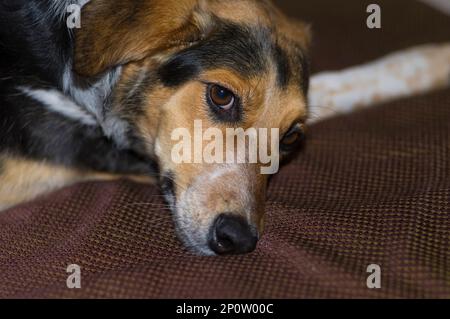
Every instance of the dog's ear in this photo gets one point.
(297, 32)
(300, 33)
(118, 32)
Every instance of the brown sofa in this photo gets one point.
(372, 187)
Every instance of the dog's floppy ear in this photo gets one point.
(300, 33)
(294, 30)
(117, 32)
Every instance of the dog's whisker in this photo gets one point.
(146, 203)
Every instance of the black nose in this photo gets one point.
(232, 234)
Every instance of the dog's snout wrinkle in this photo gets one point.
(232, 234)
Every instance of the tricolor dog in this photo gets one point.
(101, 101)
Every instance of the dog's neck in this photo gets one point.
(94, 96)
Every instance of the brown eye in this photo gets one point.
(292, 139)
(221, 97)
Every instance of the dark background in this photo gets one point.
(341, 37)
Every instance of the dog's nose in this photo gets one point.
(231, 234)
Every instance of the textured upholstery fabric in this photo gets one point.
(370, 187)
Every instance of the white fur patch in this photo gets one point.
(57, 102)
(94, 99)
(58, 8)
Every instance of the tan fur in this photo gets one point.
(117, 32)
(22, 180)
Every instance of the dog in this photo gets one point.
(99, 102)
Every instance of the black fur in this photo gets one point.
(35, 48)
(33, 43)
(243, 49)
(305, 72)
(239, 48)
(168, 186)
(283, 67)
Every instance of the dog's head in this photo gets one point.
(230, 64)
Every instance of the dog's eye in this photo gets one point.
(292, 139)
(221, 97)
(224, 104)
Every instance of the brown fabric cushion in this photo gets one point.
(371, 187)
